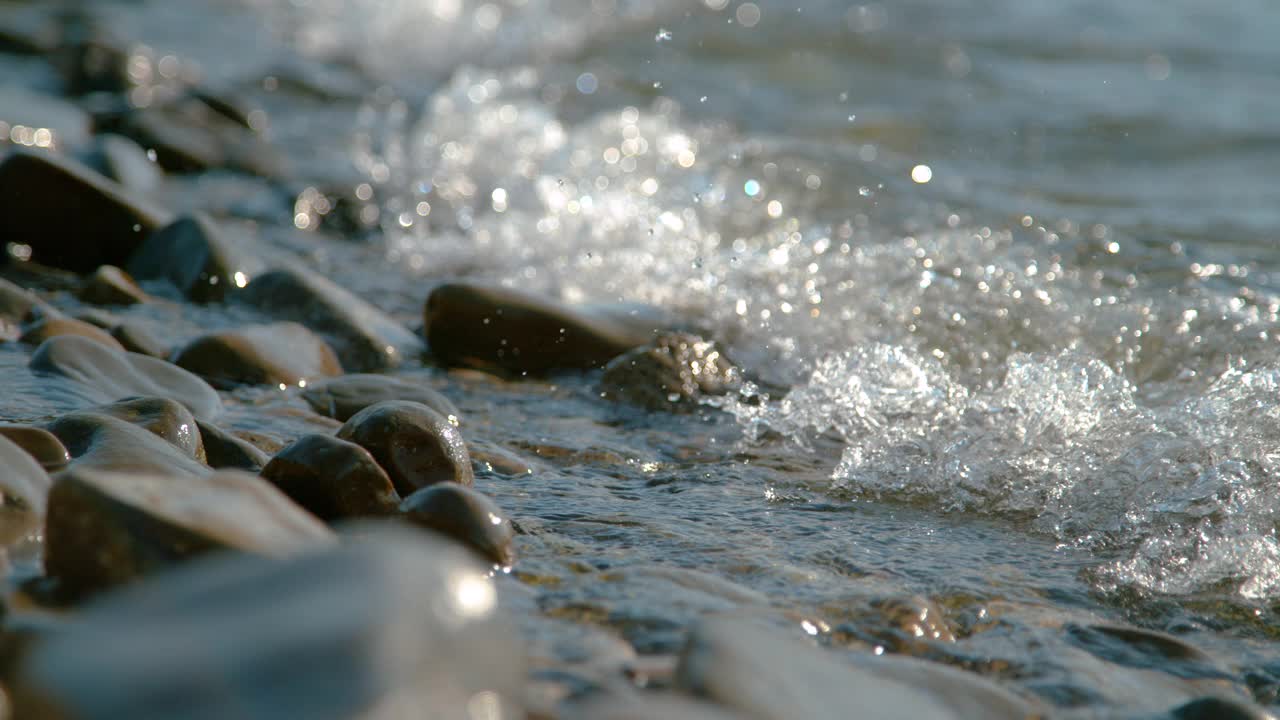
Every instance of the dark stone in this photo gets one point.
(124, 161)
(494, 328)
(672, 373)
(190, 136)
(1145, 649)
(277, 354)
(364, 337)
(50, 326)
(226, 451)
(68, 126)
(167, 419)
(193, 254)
(70, 216)
(1217, 708)
(104, 441)
(342, 397)
(40, 444)
(395, 624)
(137, 339)
(109, 285)
(104, 529)
(619, 705)
(465, 515)
(113, 374)
(416, 445)
(24, 485)
(332, 478)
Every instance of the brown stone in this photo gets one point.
(276, 354)
(40, 444)
(109, 285)
(466, 515)
(416, 445)
(52, 326)
(342, 397)
(226, 451)
(332, 478)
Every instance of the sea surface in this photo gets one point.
(1007, 273)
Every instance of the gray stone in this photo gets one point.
(66, 124)
(672, 373)
(195, 256)
(394, 625)
(124, 161)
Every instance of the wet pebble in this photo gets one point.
(342, 397)
(104, 529)
(623, 705)
(167, 419)
(365, 338)
(24, 486)
(766, 673)
(104, 442)
(672, 373)
(50, 326)
(416, 445)
(109, 285)
(18, 305)
(465, 515)
(495, 328)
(197, 257)
(1218, 708)
(332, 478)
(135, 338)
(40, 444)
(226, 451)
(124, 161)
(393, 624)
(276, 354)
(113, 374)
(98, 222)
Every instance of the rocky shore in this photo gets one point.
(182, 548)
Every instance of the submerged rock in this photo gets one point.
(50, 326)
(101, 441)
(40, 444)
(672, 373)
(364, 337)
(70, 216)
(124, 161)
(104, 529)
(109, 285)
(489, 327)
(193, 254)
(416, 445)
(342, 397)
(332, 478)
(226, 451)
(137, 339)
(394, 625)
(765, 673)
(167, 419)
(276, 354)
(24, 487)
(465, 515)
(113, 374)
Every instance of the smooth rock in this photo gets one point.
(18, 305)
(189, 136)
(167, 419)
(70, 216)
(109, 285)
(135, 338)
(96, 317)
(43, 446)
(765, 673)
(195, 256)
(394, 625)
(101, 441)
(105, 529)
(644, 706)
(226, 451)
(276, 354)
(64, 124)
(332, 478)
(672, 373)
(114, 374)
(416, 445)
(342, 397)
(41, 330)
(489, 328)
(465, 515)
(1218, 708)
(365, 339)
(124, 161)
(24, 487)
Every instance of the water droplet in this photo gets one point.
(657, 85)
(702, 99)
(663, 34)
(852, 118)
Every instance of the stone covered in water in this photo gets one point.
(104, 529)
(766, 673)
(489, 327)
(332, 478)
(167, 419)
(99, 441)
(416, 445)
(226, 451)
(671, 373)
(465, 515)
(109, 285)
(195, 256)
(24, 486)
(393, 625)
(342, 397)
(55, 325)
(276, 354)
(124, 161)
(364, 337)
(112, 374)
(70, 216)
(40, 444)
(137, 339)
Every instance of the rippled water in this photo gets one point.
(1015, 260)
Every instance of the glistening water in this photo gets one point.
(1013, 263)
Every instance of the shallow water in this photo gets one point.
(1015, 261)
